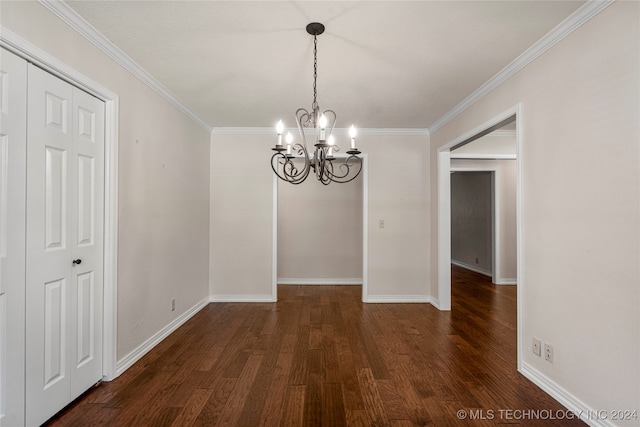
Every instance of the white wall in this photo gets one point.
(398, 194)
(581, 207)
(241, 231)
(163, 184)
(242, 216)
(320, 231)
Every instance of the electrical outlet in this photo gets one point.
(381, 223)
(548, 352)
(173, 304)
(536, 346)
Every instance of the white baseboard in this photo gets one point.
(131, 358)
(506, 282)
(242, 298)
(472, 268)
(300, 281)
(398, 299)
(569, 401)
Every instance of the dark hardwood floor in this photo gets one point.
(319, 357)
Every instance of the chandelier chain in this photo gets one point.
(315, 70)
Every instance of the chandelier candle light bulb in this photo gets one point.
(323, 124)
(289, 139)
(279, 129)
(352, 134)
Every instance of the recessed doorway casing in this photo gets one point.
(444, 212)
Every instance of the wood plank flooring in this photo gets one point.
(319, 357)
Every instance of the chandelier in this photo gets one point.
(320, 124)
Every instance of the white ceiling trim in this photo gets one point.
(84, 28)
(562, 30)
(472, 156)
(336, 131)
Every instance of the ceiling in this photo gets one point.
(381, 64)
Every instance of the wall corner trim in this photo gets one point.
(572, 403)
(81, 26)
(137, 354)
(581, 16)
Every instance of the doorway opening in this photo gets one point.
(473, 225)
(483, 206)
(320, 233)
(467, 153)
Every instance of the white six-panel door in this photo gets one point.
(64, 245)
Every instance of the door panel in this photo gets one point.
(86, 200)
(56, 112)
(54, 335)
(55, 205)
(86, 336)
(65, 171)
(48, 256)
(86, 239)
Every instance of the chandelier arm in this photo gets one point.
(304, 173)
(290, 173)
(317, 161)
(303, 119)
(295, 177)
(325, 179)
(275, 160)
(321, 163)
(302, 150)
(279, 160)
(331, 119)
(346, 167)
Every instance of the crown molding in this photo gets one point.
(247, 130)
(336, 131)
(386, 131)
(482, 156)
(562, 30)
(88, 31)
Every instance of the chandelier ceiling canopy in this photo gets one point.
(319, 125)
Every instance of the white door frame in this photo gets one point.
(444, 216)
(365, 231)
(30, 52)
